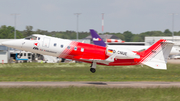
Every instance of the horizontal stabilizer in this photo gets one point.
(156, 64)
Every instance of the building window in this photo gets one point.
(82, 49)
(29, 54)
(75, 48)
(61, 46)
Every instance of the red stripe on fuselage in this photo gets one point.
(93, 52)
(149, 53)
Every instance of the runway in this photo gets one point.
(92, 84)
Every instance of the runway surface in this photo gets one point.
(92, 84)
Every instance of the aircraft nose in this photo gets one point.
(7, 43)
(12, 43)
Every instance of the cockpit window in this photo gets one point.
(31, 38)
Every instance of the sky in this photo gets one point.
(136, 16)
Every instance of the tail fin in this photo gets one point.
(156, 56)
(97, 40)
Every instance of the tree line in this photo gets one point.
(7, 32)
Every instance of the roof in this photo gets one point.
(104, 37)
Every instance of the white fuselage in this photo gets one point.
(44, 44)
(174, 51)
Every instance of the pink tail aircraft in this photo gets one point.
(155, 56)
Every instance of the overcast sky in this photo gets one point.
(136, 16)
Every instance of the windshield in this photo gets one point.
(31, 38)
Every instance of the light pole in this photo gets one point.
(15, 24)
(102, 23)
(173, 25)
(77, 22)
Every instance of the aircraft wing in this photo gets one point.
(105, 61)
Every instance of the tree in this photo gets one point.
(28, 31)
(127, 35)
(8, 32)
(167, 32)
(121, 36)
(136, 38)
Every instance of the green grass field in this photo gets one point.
(89, 94)
(80, 72)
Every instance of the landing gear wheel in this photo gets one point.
(93, 70)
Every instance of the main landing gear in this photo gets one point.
(93, 67)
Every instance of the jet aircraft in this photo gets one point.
(155, 56)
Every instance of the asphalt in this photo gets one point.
(174, 61)
(93, 84)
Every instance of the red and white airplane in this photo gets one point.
(155, 56)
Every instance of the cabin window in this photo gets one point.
(39, 38)
(82, 49)
(55, 44)
(68, 47)
(61, 46)
(75, 48)
(24, 54)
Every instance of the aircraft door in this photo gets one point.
(46, 42)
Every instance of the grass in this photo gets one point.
(89, 94)
(80, 72)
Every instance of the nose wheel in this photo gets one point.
(93, 67)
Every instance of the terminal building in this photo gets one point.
(149, 40)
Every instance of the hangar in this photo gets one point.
(149, 40)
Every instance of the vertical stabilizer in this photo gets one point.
(97, 40)
(156, 56)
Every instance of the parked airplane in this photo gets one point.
(97, 40)
(155, 56)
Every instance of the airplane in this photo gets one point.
(97, 40)
(155, 56)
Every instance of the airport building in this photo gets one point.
(104, 37)
(4, 52)
(149, 40)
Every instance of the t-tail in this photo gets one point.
(97, 40)
(156, 56)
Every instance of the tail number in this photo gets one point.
(120, 52)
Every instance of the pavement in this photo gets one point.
(93, 84)
(174, 61)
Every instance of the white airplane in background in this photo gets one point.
(97, 40)
(155, 56)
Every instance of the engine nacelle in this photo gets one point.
(121, 53)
